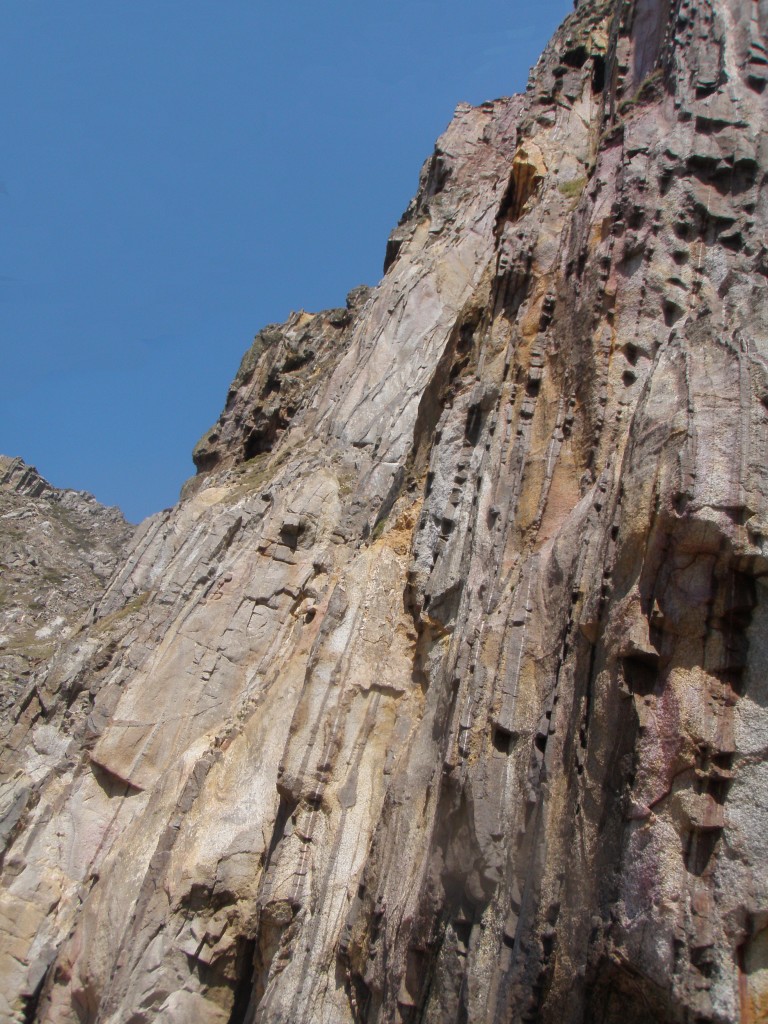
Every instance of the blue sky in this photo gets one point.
(174, 175)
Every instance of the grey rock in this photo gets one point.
(440, 695)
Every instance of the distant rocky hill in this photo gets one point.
(441, 696)
(58, 548)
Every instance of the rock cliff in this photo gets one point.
(441, 695)
(58, 549)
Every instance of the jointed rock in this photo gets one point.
(442, 695)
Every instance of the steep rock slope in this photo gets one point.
(441, 695)
(58, 549)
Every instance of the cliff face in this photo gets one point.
(441, 695)
(58, 549)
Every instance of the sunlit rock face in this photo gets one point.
(442, 694)
(58, 549)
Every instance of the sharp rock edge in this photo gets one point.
(441, 695)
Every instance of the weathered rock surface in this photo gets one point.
(442, 693)
(58, 549)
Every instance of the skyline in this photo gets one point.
(171, 185)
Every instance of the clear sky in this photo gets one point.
(175, 174)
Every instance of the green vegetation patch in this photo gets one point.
(573, 188)
(134, 605)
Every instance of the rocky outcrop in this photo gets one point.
(58, 549)
(441, 695)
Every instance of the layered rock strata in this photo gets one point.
(441, 695)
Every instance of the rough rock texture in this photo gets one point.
(442, 694)
(58, 549)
